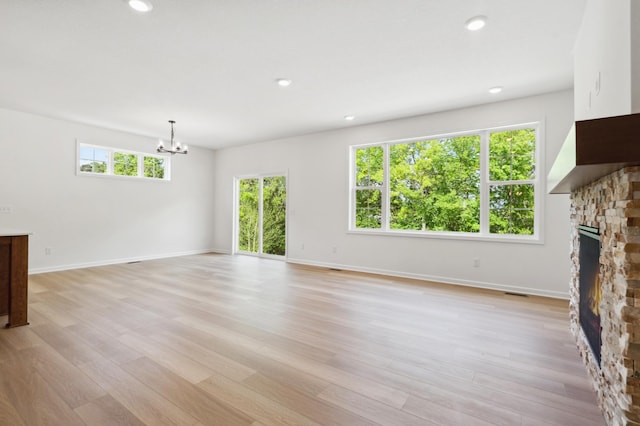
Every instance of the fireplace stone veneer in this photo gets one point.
(612, 204)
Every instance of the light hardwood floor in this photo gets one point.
(234, 340)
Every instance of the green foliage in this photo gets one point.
(94, 167)
(274, 210)
(368, 208)
(512, 155)
(154, 167)
(369, 166)
(125, 164)
(274, 196)
(435, 185)
(511, 209)
(512, 158)
(249, 221)
(369, 173)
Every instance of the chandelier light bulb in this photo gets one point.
(476, 23)
(283, 82)
(140, 5)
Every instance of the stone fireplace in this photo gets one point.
(604, 183)
(612, 204)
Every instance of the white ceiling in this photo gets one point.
(211, 65)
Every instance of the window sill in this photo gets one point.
(121, 177)
(467, 236)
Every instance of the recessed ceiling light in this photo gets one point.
(495, 90)
(349, 117)
(140, 5)
(284, 82)
(476, 23)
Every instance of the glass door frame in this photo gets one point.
(236, 214)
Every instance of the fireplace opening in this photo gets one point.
(590, 287)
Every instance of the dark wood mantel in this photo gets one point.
(595, 148)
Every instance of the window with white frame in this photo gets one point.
(93, 159)
(477, 184)
(105, 161)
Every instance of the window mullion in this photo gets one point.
(111, 165)
(484, 183)
(386, 209)
(140, 165)
(511, 182)
(260, 212)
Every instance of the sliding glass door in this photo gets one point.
(261, 214)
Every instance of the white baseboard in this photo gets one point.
(117, 261)
(439, 279)
(220, 251)
(425, 277)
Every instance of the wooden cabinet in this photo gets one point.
(14, 258)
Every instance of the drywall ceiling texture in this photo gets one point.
(86, 220)
(318, 172)
(212, 65)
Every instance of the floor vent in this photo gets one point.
(515, 294)
(135, 261)
(335, 269)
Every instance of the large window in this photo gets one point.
(100, 160)
(476, 184)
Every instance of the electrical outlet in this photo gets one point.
(476, 262)
(6, 209)
(334, 249)
(47, 251)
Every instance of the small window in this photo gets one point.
(125, 164)
(93, 159)
(100, 160)
(154, 167)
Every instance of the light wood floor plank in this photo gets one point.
(173, 360)
(65, 343)
(143, 402)
(106, 411)
(32, 397)
(8, 413)
(62, 376)
(185, 344)
(101, 340)
(216, 339)
(191, 399)
(308, 405)
(371, 409)
(254, 404)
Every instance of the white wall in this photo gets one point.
(96, 220)
(318, 203)
(608, 48)
(635, 57)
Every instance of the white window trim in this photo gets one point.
(485, 184)
(236, 197)
(110, 163)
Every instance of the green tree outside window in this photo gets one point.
(125, 164)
